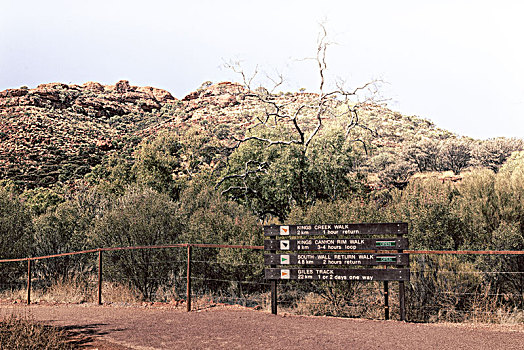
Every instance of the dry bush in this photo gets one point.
(489, 308)
(440, 288)
(119, 293)
(76, 290)
(69, 290)
(23, 333)
(258, 301)
(344, 300)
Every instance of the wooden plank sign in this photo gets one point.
(340, 253)
(323, 274)
(337, 229)
(342, 259)
(336, 244)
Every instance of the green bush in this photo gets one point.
(140, 217)
(16, 236)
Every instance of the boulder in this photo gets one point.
(123, 86)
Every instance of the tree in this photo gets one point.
(141, 216)
(290, 127)
(159, 162)
(493, 153)
(15, 226)
(423, 154)
(454, 154)
(171, 159)
(16, 240)
(280, 177)
(397, 174)
(62, 230)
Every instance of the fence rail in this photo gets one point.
(254, 247)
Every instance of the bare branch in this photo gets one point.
(236, 67)
(321, 56)
(260, 167)
(276, 82)
(301, 116)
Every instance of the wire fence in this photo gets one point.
(444, 285)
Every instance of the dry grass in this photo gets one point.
(76, 291)
(23, 333)
(260, 301)
(367, 301)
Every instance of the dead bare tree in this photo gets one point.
(337, 104)
(301, 116)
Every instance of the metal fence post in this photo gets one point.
(28, 281)
(188, 288)
(99, 277)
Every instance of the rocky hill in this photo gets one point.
(58, 132)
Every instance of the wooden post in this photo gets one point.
(100, 277)
(28, 281)
(402, 297)
(273, 297)
(273, 286)
(402, 292)
(188, 287)
(386, 300)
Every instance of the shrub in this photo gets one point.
(140, 217)
(23, 333)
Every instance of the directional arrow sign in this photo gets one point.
(284, 259)
(337, 244)
(284, 245)
(284, 230)
(398, 228)
(339, 259)
(284, 274)
(338, 274)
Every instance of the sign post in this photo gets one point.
(340, 252)
(274, 297)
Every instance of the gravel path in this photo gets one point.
(110, 327)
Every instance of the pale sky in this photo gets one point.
(457, 63)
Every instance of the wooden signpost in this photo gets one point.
(329, 257)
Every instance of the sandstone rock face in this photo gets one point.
(93, 86)
(58, 131)
(13, 92)
(122, 86)
(158, 94)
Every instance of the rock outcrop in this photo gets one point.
(58, 132)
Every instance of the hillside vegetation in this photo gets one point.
(92, 165)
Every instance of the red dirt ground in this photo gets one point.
(121, 327)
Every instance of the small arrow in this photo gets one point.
(284, 230)
(284, 245)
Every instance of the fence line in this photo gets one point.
(190, 261)
(254, 247)
(466, 252)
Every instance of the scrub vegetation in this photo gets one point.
(228, 158)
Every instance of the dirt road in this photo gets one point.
(110, 327)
